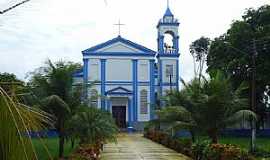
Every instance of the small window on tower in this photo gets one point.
(169, 71)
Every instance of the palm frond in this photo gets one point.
(241, 115)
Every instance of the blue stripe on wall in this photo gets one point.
(129, 113)
(152, 88)
(85, 76)
(135, 88)
(177, 74)
(160, 77)
(103, 79)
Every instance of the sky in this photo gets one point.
(61, 29)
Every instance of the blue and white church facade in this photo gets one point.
(130, 78)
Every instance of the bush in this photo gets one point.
(179, 145)
(86, 152)
(206, 151)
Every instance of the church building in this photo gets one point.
(130, 78)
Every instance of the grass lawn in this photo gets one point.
(52, 145)
(263, 143)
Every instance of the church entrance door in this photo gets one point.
(119, 114)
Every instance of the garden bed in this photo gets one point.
(199, 151)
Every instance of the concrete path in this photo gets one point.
(135, 147)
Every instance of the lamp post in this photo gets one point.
(253, 89)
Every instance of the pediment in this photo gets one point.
(118, 90)
(118, 45)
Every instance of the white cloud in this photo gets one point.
(61, 29)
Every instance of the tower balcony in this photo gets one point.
(170, 51)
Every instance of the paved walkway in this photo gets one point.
(135, 147)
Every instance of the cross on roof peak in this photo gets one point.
(119, 24)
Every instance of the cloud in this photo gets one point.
(61, 29)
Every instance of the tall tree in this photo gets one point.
(232, 52)
(199, 50)
(53, 83)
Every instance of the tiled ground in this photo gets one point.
(135, 147)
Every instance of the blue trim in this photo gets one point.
(78, 73)
(129, 113)
(103, 79)
(160, 78)
(85, 76)
(118, 54)
(168, 13)
(119, 39)
(168, 24)
(168, 84)
(135, 88)
(107, 105)
(152, 88)
(168, 55)
(177, 74)
(160, 44)
(123, 91)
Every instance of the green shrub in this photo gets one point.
(205, 151)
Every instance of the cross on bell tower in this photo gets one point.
(119, 24)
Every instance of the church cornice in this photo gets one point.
(94, 50)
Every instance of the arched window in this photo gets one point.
(143, 102)
(94, 98)
(168, 42)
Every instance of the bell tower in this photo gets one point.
(168, 25)
(168, 54)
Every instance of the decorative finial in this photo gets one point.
(168, 4)
(119, 27)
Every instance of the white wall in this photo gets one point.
(143, 70)
(164, 29)
(119, 47)
(94, 70)
(169, 62)
(119, 70)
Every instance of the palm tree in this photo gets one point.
(93, 126)
(57, 107)
(53, 83)
(16, 120)
(212, 105)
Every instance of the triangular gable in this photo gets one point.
(118, 90)
(119, 45)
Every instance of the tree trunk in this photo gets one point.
(61, 139)
(193, 136)
(213, 134)
(72, 143)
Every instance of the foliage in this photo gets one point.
(231, 52)
(198, 149)
(207, 105)
(199, 50)
(16, 120)
(53, 83)
(53, 79)
(52, 147)
(93, 127)
(226, 152)
(179, 145)
(10, 83)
